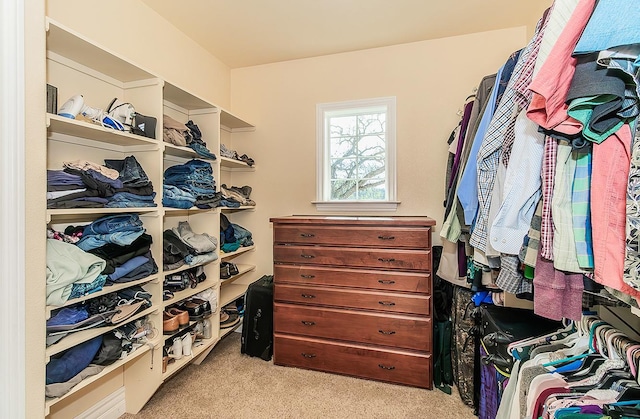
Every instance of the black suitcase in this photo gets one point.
(501, 326)
(257, 326)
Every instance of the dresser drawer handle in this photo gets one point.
(308, 296)
(386, 281)
(307, 235)
(307, 256)
(387, 332)
(307, 276)
(386, 260)
(308, 355)
(386, 237)
(307, 323)
(387, 303)
(385, 367)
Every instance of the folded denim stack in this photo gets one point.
(194, 178)
(121, 241)
(197, 144)
(85, 184)
(137, 189)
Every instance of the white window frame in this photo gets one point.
(323, 201)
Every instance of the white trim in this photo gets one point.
(356, 206)
(322, 155)
(12, 209)
(111, 407)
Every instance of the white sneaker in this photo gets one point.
(186, 344)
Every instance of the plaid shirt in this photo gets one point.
(548, 180)
(502, 125)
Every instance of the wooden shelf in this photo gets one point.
(76, 338)
(79, 132)
(186, 267)
(184, 294)
(242, 269)
(184, 152)
(232, 123)
(119, 363)
(105, 290)
(225, 332)
(181, 212)
(94, 213)
(233, 164)
(178, 364)
(231, 292)
(240, 208)
(224, 256)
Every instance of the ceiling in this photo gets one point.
(244, 33)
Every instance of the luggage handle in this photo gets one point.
(307, 276)
(256, 334)
(307, 256)
(386, 260)
(307, 235)
(308, 323)
(308, 296)
(385, 367)
(387, 303)
(306, 355)
(386, 281)
(387, 332)
(386, 237)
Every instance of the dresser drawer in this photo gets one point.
(359, 299)
(364, 327)
(415, 260)
(378, 364)
(356, 236)
(354, 278)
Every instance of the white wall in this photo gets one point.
(136, 32)
(430, 79)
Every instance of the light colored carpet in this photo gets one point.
(230, 385)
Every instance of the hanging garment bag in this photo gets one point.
(257, 326)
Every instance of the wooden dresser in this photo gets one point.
(353, 296)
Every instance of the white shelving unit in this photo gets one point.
(76, 65)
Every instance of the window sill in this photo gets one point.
(356, 205)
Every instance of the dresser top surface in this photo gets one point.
(359, 220)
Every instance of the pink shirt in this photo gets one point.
(609, 179)
(550, 85)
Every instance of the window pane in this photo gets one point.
(372, 189)
(342, 147)
(343, 168)
(372, 146)
(342, 125)
(343, 189)
(371, 168)
(371, 124)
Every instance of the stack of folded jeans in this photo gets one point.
(174, 197)
(136, 190)
(85, 184)
(194, 177)
(196, 142)
(121, 229)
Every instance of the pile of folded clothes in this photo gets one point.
(108, 309)
(232, 154)
(234, 196)
(182, 246)
(85, 184)
(185, 135)
(83, 259)
(189, 184)
(233, 236)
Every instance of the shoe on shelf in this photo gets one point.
(225, 273)
(186, 341)
(232, 320)
(196, 311)
(181, 315)
(205, 304)
(170, 323)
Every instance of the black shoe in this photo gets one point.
(225, 272)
